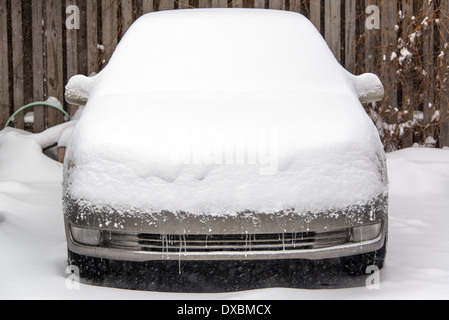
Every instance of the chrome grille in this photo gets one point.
(226, 242)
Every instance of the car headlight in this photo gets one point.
(90, 237)
(366, 233)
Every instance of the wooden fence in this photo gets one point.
(405, 42)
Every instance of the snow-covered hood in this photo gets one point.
(226, 153)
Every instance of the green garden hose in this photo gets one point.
(36, 104)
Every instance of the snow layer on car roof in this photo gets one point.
(222, 50)
(224, 111)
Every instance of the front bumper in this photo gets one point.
(137, 236)
(133, 254)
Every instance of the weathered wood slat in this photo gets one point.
(296, 5)
(444, 74)
(332, 26)
(219, 3)
(127, 16)
(407, 82)
(428, 68)
(183, 4)
(147, 6)
(371, 43)
(38, 64)
(110, 29)
(93, 63)
(71, 53)
(82, 38)
(61, 153)
(259, 4)
(166, 5)
(350, 36)
(54, 66)
(17, 47)
(276, 4)
(315, 13)
(4, 70)
(237, 3)
(204, 4)
(389, 50)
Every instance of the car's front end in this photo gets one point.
(184, 252)
(137, 236)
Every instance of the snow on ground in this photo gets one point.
(33, 248)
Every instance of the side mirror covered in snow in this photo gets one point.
(369, 88)
(78, 89)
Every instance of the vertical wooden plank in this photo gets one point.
(204, 3)
(332, 27)
(350, 39)
(371, 43)
(109, 28)
(17, 47)
(126, 16)
(248, 4)
(276, 4)
(315, 13)
(166, 5)
(237, 3)
(219, 3)
(93, 64)
(82, 38)
(147, 6)
(53, 39)
(71, 54)
(407, 83)
(296, 5)
(61, 151)
(38, 64)
(27, 44)
(389, 41)
(444, 74)
(183, 4)
(428, 68)
(259, 4)
(388, 69)
(4, 72)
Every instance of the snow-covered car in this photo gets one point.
(228, 138)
